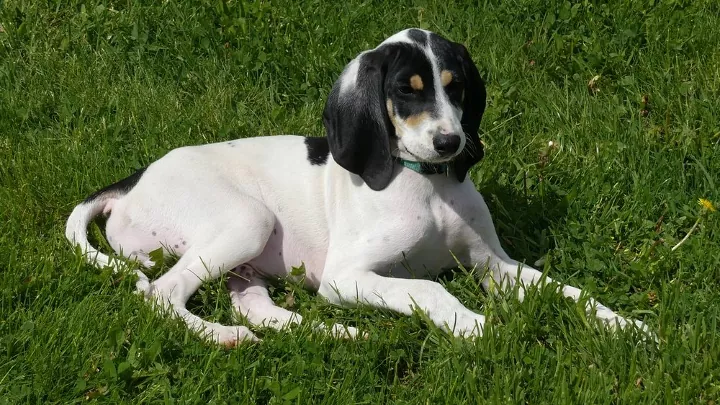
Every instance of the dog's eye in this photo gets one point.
(455, 86)
(405, 89)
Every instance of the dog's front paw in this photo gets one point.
(646, 330)
(641, 326)
(467, 325)
(616, 322)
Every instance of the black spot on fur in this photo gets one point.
(443, 49)
(184, 243)
(177, 246)
(275, 231)
(279, 253)
(154, 233)
(122, 187)
(318, 150)
(418, 36)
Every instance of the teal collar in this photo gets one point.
(424, 167)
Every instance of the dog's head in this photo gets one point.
(416, 96)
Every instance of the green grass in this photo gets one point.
(91, 90)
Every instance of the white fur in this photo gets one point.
(401, 36)
(348, 78)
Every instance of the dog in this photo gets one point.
(374, 210)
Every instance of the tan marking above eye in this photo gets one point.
(446, 77)
(417, 119)
(416, 82)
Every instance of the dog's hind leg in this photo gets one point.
(238, 239)
(251, 299)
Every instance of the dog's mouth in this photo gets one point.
(438, 160)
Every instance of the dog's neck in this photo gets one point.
(423, 167)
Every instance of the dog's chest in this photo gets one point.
(416, 233)
(428, 239)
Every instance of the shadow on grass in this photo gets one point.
(522, 220)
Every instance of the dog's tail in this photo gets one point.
(81, 216)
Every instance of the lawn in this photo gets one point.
(628, 93)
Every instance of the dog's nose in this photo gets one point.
(446, 144)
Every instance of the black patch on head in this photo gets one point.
(317, 150)
(449, 59)
(418, 36)
(442, 48)
(122, 187)
(408, 61)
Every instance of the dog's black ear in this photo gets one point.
(473, 109)
(357, 123)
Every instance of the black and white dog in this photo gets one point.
(387, 185)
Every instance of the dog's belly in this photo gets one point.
(286, 250)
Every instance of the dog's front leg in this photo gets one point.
(504, 272)
(347, 286)
(507, 273)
